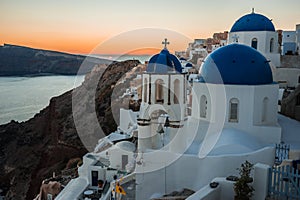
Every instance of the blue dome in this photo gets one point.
(236, 64)
(164, 62)
(188, 65)
(253, 22)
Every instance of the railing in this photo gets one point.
(284, 182)
(281, 153)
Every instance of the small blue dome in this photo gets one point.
(236, 64)
(253, 22)
(188, 65)
(164, 62)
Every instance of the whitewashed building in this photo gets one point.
(187, 133)
(257, 31)
(289, 43)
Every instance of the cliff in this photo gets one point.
(31, 151)
(20, 61)
(290, 104)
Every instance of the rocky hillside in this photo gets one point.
(290, 104)
(21, 61)
(31, 151)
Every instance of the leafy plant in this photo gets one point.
(242, 189)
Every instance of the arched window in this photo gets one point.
(176, 91)
(145, 89)
(254, 43)
(271, 45)
(159, 91)
(233, 108)
(264, 116)
(203, 106)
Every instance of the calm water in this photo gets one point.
(141, 58)
(22, 97)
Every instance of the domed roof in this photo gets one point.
(188, 65)
(253, 22)
(126, 146)
(164, 62)
(236, 64)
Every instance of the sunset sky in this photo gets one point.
(78, 26)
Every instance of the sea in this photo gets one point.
(22, 97)
(141, 58)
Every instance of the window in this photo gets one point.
(203, 106)
(254, 43)
(271, 45)
(176, 91)
(145, 89)
(265, 109)
(159, 91)
(299, 79)
(234, 105)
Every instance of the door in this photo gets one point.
(94, 178)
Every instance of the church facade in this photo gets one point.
(257, 31)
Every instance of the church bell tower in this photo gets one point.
(163, 107)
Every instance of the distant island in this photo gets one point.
(25, 61)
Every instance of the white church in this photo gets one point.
(257, 31)
(190, 133)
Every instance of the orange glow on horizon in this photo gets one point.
(80, 27)
(144, 51)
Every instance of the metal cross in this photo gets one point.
(165, 42)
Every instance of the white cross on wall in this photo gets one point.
(235, 38)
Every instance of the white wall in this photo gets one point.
(288, 36)
(101, 173)
(83, 170)
(289, 42)
(260, 183)
(249, 109)
(127, 118)
(190, 171)
(207, 193)
(225, 189)
(115, 157)
(263, 38)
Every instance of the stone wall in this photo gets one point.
(289, 107)
(290, 61)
